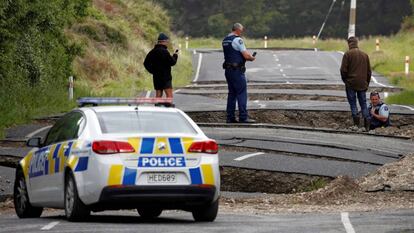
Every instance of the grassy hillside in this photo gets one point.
(116, 37)
(389, 61)
(102, 43)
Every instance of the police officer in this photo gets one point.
(235, 57)
(378, 111)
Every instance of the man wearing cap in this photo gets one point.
(356, 74)
(158, 62)
(235, 57)
(378, 111)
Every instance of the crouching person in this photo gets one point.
(378, 111)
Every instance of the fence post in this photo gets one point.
(186, 42)
(407, 65)
(70, 87)
(377, 45)
(265, 42)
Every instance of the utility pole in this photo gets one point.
(352, 19)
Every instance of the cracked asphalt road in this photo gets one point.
(296, 151)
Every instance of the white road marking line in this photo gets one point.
(347, 223)
(148, 94)
(38, 131)
(178, 90)
(248, 156)
(200, 58)
(375, 81)
(49, 226)
(412, 109)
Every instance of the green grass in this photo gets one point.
(116, 43)
(31, 102)
(307, 42)
(389, 61)
(315, 184)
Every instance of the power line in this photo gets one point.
(326, 19)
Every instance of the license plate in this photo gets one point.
(162, 178)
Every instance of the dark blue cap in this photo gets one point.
(162, 36)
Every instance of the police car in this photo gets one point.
(97, 158)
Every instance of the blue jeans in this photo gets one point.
(352, 95)
(237, 85)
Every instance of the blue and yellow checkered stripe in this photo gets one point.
(173, 146)
(59, 155)
(120, 175)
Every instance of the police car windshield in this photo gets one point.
(144, 122)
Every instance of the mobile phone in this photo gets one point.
(254, 54)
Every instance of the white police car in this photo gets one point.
(120, 157)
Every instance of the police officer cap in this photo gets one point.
(162, 37)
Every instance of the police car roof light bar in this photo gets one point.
(95, 101)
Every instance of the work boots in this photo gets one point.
(367, 124)
(356, 121)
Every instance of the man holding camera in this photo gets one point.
(235, 57)
(159, 62)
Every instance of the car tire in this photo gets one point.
(207, 213)
(149, 214)
(75, 210)
(21, 200)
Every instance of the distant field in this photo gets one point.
(389, 61)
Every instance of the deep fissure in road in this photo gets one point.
(402, 125)
(281, 96)
(283, 86)
(237, 179)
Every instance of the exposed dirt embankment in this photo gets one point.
(402, 125)
(398, 176)
(249, 180)
(392, 183)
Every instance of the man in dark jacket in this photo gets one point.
(158, 62)
(356, 74)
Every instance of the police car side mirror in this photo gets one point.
(34, 142)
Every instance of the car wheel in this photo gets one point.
(206, 213)
(21, 200)
(75, 210)
(149, 214)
